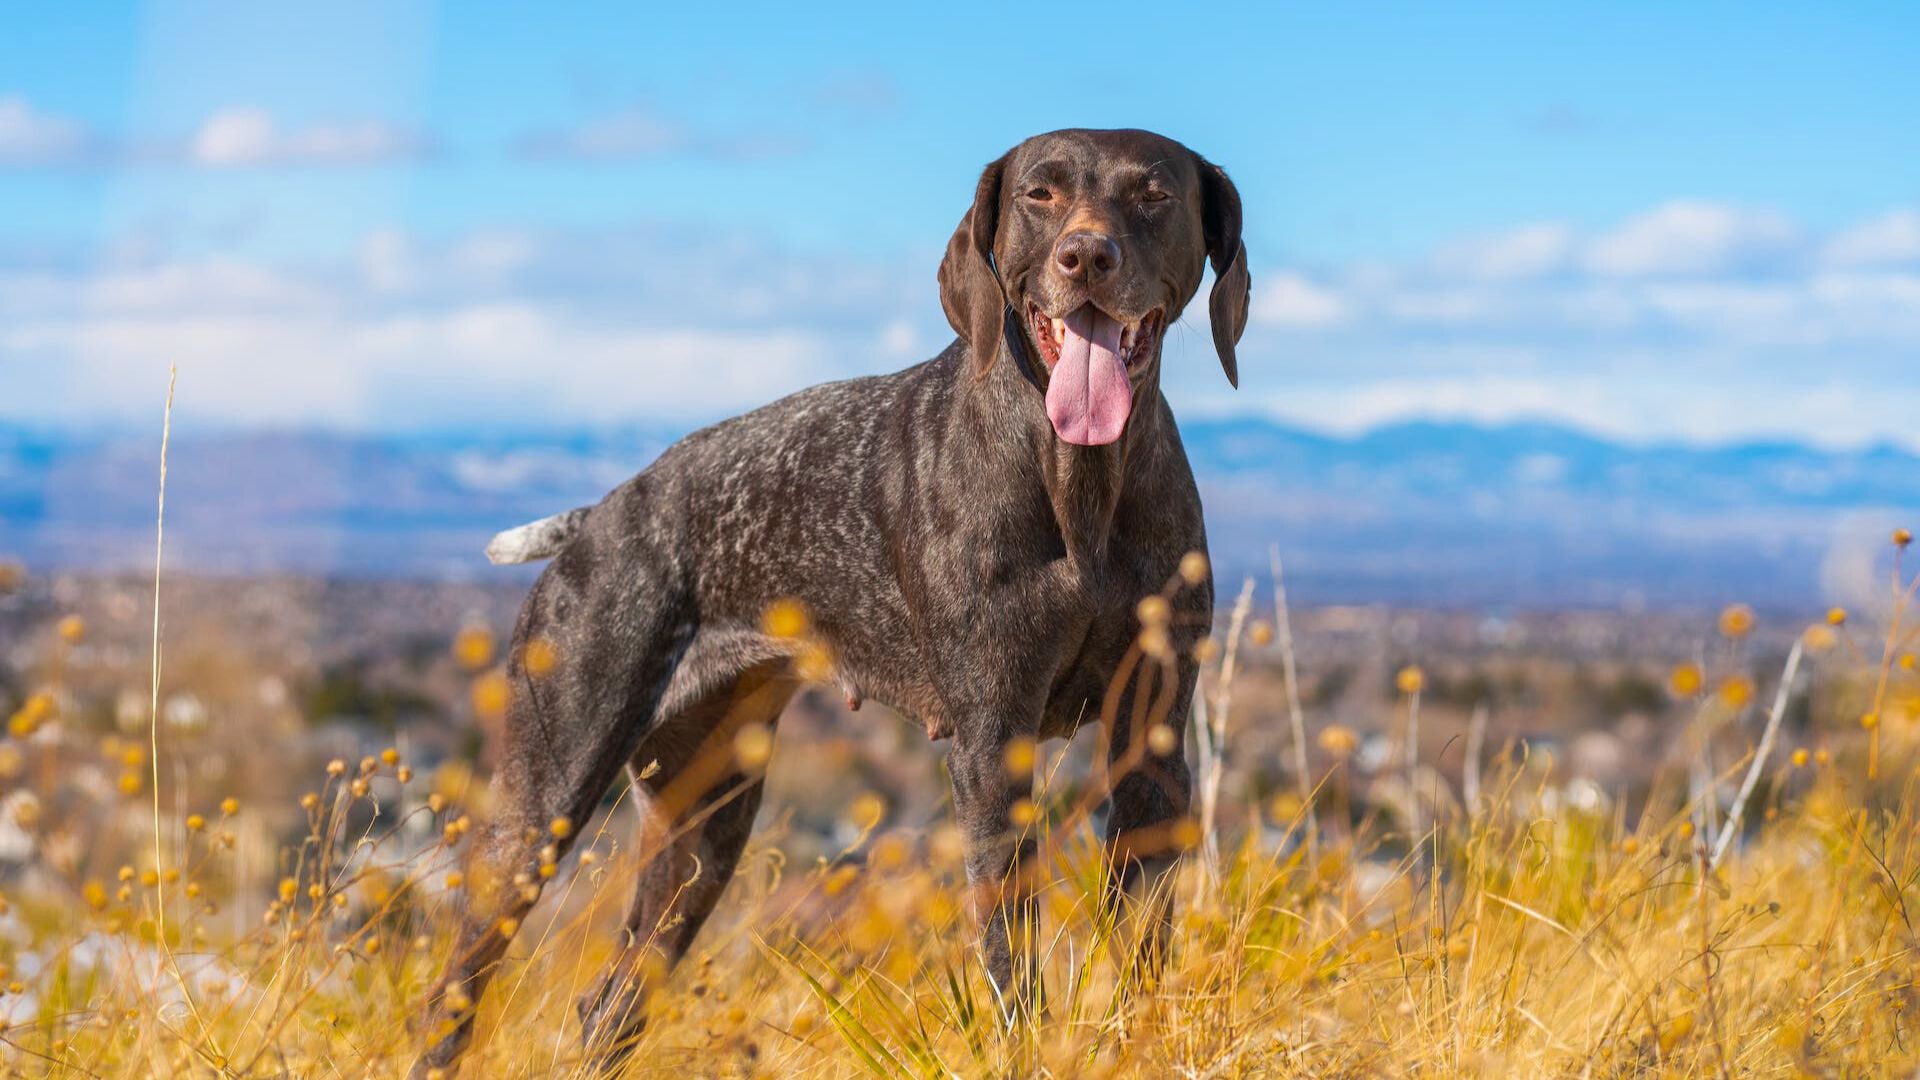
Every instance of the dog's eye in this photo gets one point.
(1040, 194)
(1154, 195)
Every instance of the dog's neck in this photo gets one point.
(1083, 484)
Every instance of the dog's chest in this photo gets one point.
(1051, 651)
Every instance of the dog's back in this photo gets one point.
(792, 477)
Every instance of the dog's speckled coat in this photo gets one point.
(959, 562)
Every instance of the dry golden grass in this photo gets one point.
(1534, 934)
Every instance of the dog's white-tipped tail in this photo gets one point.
(536, 540)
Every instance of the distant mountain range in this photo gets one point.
(1440, 514)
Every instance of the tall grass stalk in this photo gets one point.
(1296, 716)
(1213, 732)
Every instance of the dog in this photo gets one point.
(967, 541)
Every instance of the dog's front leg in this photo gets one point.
(1147, 812)
(985, 789)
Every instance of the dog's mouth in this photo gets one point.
(1091, 360)
(1135, 342)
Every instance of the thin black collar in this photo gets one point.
(1014, 341)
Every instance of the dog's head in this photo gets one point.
(1101, 238)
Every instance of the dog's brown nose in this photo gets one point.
(1086, 256)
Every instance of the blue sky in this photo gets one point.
(1652, 221)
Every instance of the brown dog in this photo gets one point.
(969, 538)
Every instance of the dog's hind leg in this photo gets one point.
(697, 800)
(575, 716)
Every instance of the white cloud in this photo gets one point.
(1885, 303)
(1289, 299)
(639, 132)
(1712, 275)
(1690, 319)
(1486, 398)
(238, 136)
(1525, 252)
(392, 261)
(1893, 237)
(900, 338)
(484, 363)
(1765, 309)
(635, 132)
(502, 328)
(249, 137)
(32, 138)
(1441, 305)
(1636, 403)
(1688, 237)
(518, 327)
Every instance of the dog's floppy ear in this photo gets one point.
(1227, 304)
(968, 292)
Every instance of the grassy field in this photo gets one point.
(1752, 917)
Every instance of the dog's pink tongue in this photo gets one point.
(1089, 395)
